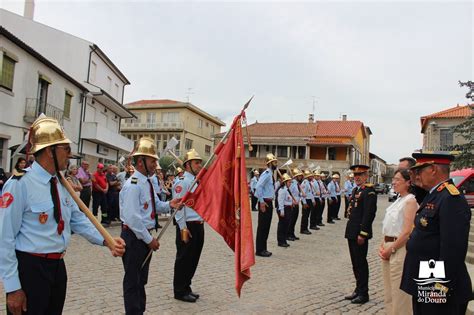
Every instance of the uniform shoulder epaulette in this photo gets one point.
(452, 189)
(18, 175)
(134, 180)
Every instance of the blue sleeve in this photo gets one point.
(162, 206)
(10, 222)
(180, 214)
(260, 184)
(129, 197)
(281, 200)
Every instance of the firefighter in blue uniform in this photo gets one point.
(37, 218)
(440, 233)
(139, 208)
(362, 208)
(265, 193)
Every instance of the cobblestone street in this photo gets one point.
(312, 275)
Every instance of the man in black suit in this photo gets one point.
(441, 234)
(362, 208)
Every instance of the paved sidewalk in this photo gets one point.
(311, 276)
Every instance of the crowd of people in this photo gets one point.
(427, 224)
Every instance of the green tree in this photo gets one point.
(465, 158)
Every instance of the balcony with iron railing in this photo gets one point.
(161, 125)
(33, 109)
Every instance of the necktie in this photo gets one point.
(153, 205)
(57, 204)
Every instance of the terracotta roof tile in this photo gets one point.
(329, 141)
(453, 112)
(338, 128)
(143, 102)
(321, 128)
(282, 129)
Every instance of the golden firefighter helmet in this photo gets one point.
(270, 158)
(145, 147)
(45, 132)
(286, 178)
(191, 155)
(297, 172)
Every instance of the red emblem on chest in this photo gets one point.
(5, 200)
(178, 189)
(43, 217)
(145, 205)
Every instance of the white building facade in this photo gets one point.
(29, 85)
(102, 110)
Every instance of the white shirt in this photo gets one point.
(394, 216)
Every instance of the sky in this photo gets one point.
(383, 63)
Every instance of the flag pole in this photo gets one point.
(216, 150)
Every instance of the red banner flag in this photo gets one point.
(222, 200)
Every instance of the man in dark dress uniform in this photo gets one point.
(362, 208)
(440, 235)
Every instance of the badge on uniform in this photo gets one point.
(68, 202)
(424, 222)
(145, 205)
(6, 200)
(43, 217)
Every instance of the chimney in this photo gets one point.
(29, 11)
(311, 118)
(344, 117)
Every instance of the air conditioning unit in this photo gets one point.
(103, 150)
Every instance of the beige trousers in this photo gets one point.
(396, 301)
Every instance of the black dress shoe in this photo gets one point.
(337, 218)
(264, 254)
(296, 238)
(352, 296)
(321, 224)
(331, 222)
(284, 245)
(306, 232)
(196, 296)
(360, 300)
(314, 228)
(186, 298)
(290, 238)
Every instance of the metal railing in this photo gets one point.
(154, 125)
(33, 110)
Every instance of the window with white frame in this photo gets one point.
(150, 119)
(7, 72)
(170, 117)
(445, 139)
(67, 104)
(188, 144)
(200, 123)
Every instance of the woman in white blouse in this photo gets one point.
(397, 226)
